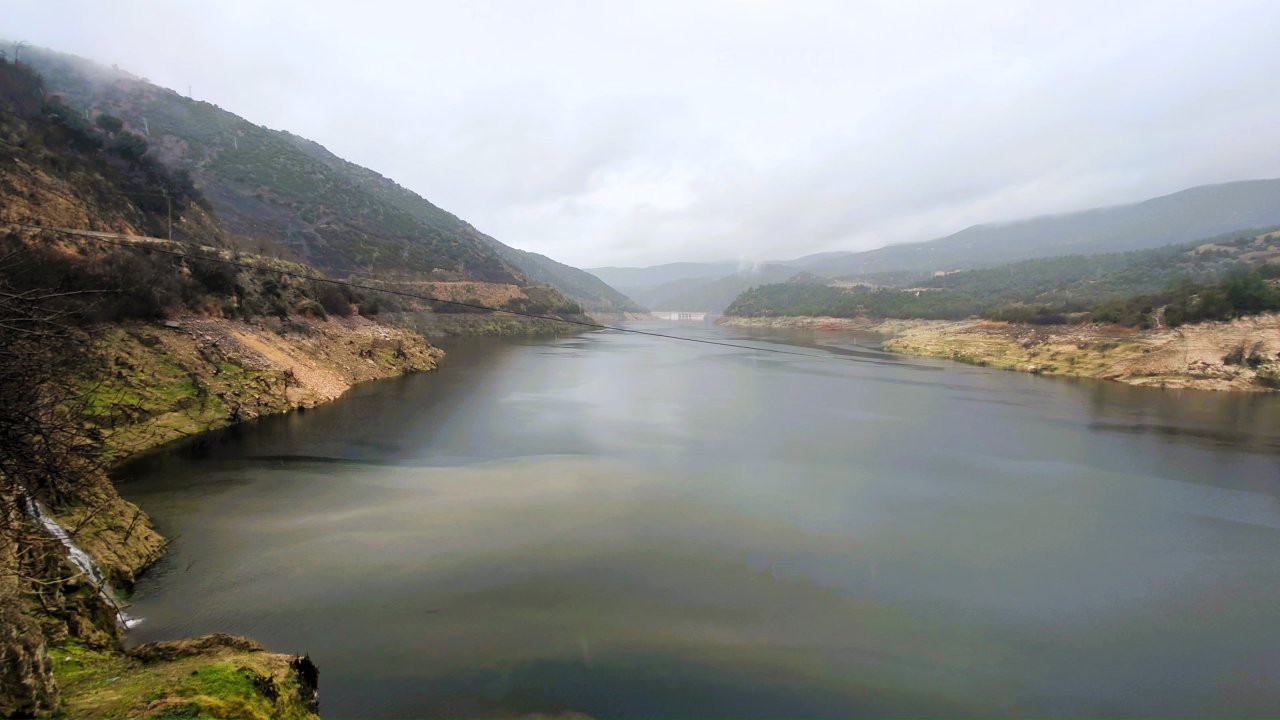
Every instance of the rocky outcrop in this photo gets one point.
(164, 381)
(44, 599)
(308, 679)
(170, 650)
(1238, 355)
(27, 686)
(157, 382)
(114, 531)
(214, 676)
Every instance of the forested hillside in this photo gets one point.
(269, 185)
(1210, 279)
(587, 290)
(57, 167)
(87, 375)
(292, 196)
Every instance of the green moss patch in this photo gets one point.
(243, 685)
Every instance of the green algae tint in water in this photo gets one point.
(626, 526)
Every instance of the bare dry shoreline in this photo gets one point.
(1241, 355)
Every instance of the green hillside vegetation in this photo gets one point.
(293, 197)
(145, 284)
(1241, 292)
(588, 291)
(712, 286)
(1215, 279)
(107, 164)
(805, 299)
(1099, 276)
(272, 186)
(54, 155)
(109, 167)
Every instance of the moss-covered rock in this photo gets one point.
(215, 676)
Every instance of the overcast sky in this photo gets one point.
(636, 133)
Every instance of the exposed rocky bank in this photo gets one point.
(60, 644)
(1239, 355)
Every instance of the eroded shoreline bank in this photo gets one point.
(1241, 355)
(157, 383)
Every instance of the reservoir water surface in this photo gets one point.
(627, 526)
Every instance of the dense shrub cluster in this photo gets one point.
(294, 197)
(794, 299)
(69, 142)
(1032, 314)
(114, 284)
(1240, 293)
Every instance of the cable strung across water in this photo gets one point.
(153, 245)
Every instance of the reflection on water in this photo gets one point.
(626, 526)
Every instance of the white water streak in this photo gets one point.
(81, 559)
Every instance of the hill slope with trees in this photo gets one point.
(1198, 212)
(292, 196)
(115, 340)
(108, 346)
(1212, 279)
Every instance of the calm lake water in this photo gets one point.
(626, 526)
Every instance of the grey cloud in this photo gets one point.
(638, 133)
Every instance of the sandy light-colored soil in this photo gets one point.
(184, 376)
(1240, 355)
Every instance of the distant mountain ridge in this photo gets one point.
(294, 195)
(1197, 212)
(692, 286)
(592, 293)
(1191, 214)
(716, 294)
(1216, 278)
(579, 285)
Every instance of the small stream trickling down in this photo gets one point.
(81, 560)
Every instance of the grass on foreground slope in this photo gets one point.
(232, 682)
